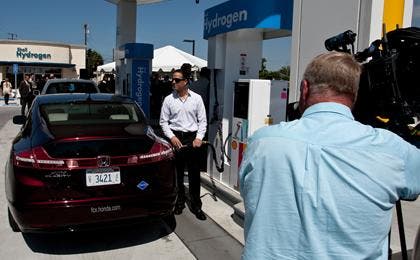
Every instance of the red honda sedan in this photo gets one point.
(84, 161)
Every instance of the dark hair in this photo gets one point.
(205, 72)
(180, 71)
(186, 70)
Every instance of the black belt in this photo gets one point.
(184, 134)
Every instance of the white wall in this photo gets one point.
(78, 57)
(313, 23)
(316, 21)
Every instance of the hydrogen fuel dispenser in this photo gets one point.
(134, 68)
(256, 103)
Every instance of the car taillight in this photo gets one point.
(159, 151)
(37, 158)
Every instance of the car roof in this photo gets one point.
(65, 81)
(80, 97)
(70, 80)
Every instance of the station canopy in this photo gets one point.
(165, 59)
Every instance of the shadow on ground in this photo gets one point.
(99, 240)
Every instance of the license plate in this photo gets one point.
(102, 176)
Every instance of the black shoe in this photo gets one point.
(178, 209)
(200, 215)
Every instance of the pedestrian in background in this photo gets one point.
(324, 186)
(25, 94)
(7, 90)
(183, 121)
(202, 86)
(34, 88)
(187, 68)
(1, 89)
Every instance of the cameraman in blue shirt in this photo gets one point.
(324, 186)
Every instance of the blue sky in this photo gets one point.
(166, 23)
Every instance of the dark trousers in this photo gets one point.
(25, 103)
(6, 99)
(188, 157)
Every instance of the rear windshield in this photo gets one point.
(71, 87)
(91, 113)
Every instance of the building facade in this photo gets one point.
(22, 57)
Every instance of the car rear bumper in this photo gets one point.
(68, 216)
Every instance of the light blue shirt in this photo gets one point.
(187, 115)
(323, 187)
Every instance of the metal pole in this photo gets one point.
(85, 27)
(193, 45)
(401, 231)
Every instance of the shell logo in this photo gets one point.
(234, 145)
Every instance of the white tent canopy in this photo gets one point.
(165, 59)
(169, 57)
(107, 68)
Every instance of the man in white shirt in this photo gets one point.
(183, 121)
(7, 90)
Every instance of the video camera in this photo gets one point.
(389, 90)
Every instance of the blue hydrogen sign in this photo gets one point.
(241, 14)
(141, 84)
(15, 68)
(141, 55)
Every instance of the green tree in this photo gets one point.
(93, 60)
(263, 73)
(282, 74)
(263, 66)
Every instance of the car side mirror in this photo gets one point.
(19, 120)
(35, 92)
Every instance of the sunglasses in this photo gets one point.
(177, 80)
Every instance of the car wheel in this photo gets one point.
(12, 222)
(170, 221)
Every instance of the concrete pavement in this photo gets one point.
(13, 102)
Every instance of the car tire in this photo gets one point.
(170, 221)
(12, 222)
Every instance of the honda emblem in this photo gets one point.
(103, 161)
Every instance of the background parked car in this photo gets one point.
(86, 159)
(55, 86)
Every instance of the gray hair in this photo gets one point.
(334, 71)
